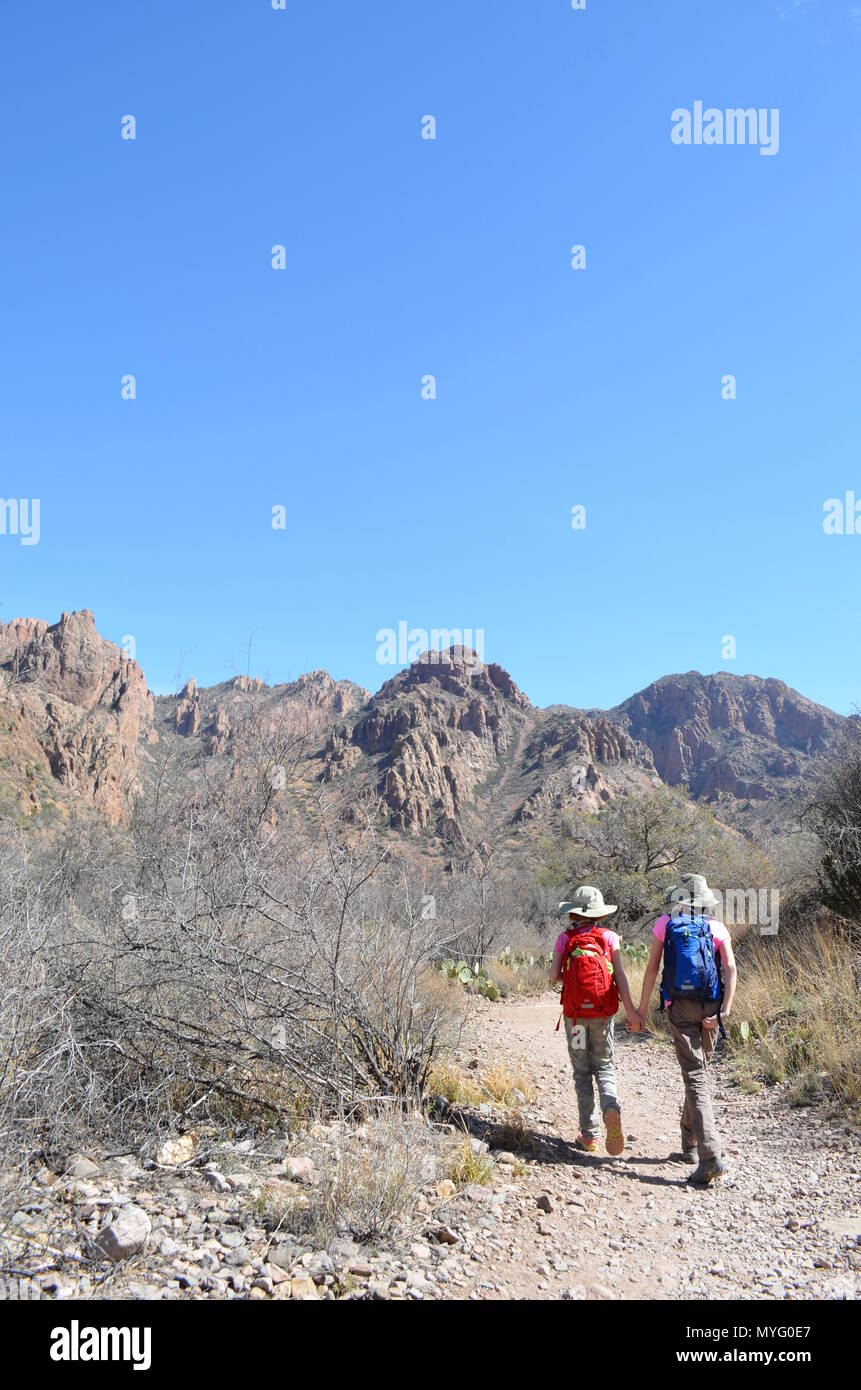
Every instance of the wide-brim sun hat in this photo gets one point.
(587, 901)
(693, 891)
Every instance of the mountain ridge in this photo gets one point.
(444, 739)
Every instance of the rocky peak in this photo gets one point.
(434, 731)
(81, 701)
(725, 732)
(457, 671)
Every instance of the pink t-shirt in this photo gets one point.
(719, 932)
(610, 939)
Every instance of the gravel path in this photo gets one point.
(784, 1223)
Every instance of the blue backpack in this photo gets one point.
(691, 965)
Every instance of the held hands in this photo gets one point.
(635, 1022)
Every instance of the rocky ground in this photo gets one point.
(195, 1219)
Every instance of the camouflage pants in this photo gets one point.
(590, 1047)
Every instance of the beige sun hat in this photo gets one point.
(587, 902)
(692, 891)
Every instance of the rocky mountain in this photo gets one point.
(73, 711)
(445, 741)
(727, 737)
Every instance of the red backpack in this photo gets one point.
(588, 987)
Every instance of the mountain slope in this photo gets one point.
(445, 742)
(730, 738)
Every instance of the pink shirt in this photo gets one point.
(610, 939)
(719, 932)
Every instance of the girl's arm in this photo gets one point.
(556, 968)
(650, 976)
(730, 973)
(623, 987)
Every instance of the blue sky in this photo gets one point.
(405, 257)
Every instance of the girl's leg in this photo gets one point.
(578, 1051)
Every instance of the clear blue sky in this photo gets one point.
(556, 387)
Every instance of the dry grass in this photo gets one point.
(467, 1167)
(796, 1016)
(635, 969)
(507, 1086)
(499, 1084)
(454, 1085)
(513, 1135)
(526, 980)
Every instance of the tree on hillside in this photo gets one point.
(834, 815)
(632, 850)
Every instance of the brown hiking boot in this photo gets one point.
(708, 1172)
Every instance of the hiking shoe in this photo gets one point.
(615, 1141)
(707, 1172)
(587, 1146)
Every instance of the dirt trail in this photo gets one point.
(784, 1223)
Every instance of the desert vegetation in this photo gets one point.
(217, 963)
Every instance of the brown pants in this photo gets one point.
(694, 1047)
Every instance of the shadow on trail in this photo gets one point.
(535, 1146)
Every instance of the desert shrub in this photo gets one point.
(205, 962)
(366, 1183)
(795, 1016)
(834, 816)
(498, 977)
(636, 847)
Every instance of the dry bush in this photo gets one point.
(368, 1183)
(206, 964)
(798, 998)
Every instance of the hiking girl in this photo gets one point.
(697, 991)
(587, 958)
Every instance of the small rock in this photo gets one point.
(126, 1235)
(216, 1180)
(300, 1170)
(82, 1168)
(173, 1152)
(545, 1203)
(303, 1288)
(507, 1159)
(444, 1235)
(446, 1189)
(232, 1240)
